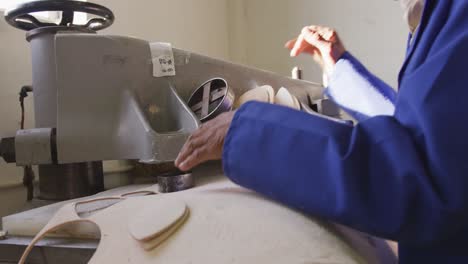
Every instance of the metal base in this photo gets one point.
(175, 182)
(48, 250)
(70, 181)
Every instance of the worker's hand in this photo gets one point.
(206, 143)
(322, 43)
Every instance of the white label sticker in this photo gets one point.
(163, 59)
(166, 66)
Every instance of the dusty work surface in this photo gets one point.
(312, 239)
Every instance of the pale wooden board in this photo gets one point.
(226, 224)
(30, 222)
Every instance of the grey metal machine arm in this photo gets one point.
(96, 98)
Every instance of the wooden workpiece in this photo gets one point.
(285, 98)
(265, 94)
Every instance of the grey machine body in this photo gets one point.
(96, 99)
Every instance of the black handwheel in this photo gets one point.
(22, 15)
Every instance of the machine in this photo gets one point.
(104, 97)
(100, 97)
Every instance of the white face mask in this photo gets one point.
(413, 12)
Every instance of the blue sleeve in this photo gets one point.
(361, 176)
(358, 91)
(402, 177)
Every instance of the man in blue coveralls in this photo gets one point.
(401, 173)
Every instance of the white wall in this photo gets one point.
(373, 30)
(15, 71)
(195, 25)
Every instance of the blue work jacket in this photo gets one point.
(401, 173)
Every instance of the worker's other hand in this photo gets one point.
(206, 143)
(322, 43)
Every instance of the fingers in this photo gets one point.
(322, 43)
(326, 33)
(300, 45)
(195, 158)
(198, 149)
(290, 44)
(315, 38)
(206, 143)
(311, 50)
(192, 144)
(311, 39)
(195, 150)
